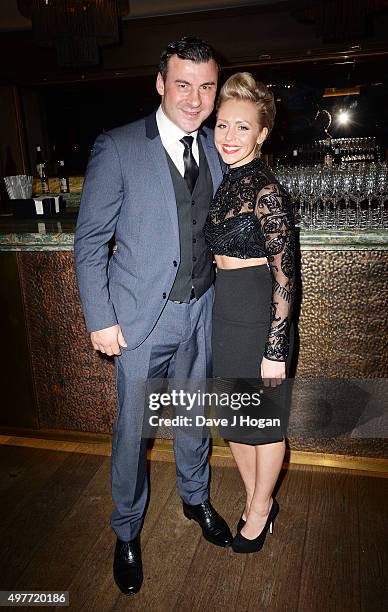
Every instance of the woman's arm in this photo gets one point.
(275, 214)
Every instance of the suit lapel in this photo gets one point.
(159, 161)
(212, 158)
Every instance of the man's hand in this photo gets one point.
(108, 340)
(272, 372)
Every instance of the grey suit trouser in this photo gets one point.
(179, 347)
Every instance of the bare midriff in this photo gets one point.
(224, 262)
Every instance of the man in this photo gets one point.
(149, 184)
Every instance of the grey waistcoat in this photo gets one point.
(196, 267)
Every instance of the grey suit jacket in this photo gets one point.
(128, 193)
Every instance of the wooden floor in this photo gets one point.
(327, 553)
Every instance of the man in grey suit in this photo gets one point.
(149, 184)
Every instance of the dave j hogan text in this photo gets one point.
(202, 421)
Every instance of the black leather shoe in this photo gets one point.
(214, 528)
(244, 545)
(127, 566)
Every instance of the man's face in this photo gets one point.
(189, 92)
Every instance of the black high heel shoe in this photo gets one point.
(243, 545)
(240, 524)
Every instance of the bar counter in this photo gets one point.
(52, 379)
(58, 235)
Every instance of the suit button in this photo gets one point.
(164, 295)
(194, 222)
(194, 240)
(194, 259)
(192, 202)
(175, 263)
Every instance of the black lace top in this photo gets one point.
(251, 216)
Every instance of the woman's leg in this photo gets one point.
(245, 458)
(269, 461)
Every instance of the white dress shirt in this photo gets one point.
(170, 135)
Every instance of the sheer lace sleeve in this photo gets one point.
(275, 214)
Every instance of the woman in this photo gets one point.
(250, 229)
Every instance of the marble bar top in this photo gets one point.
(57, 234)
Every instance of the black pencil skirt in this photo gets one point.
(241, 321)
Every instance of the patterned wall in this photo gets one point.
(342, 333)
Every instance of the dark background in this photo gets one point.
(85, 109)
(44, 104)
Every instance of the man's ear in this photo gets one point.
(160, 84)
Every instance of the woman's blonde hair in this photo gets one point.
(243, 86)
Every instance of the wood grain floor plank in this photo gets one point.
(373, 529)
(72, 538)
(327, 554)
(31, 476)
(272, 576)
(33, 524)
(14, 462)
(330, 575)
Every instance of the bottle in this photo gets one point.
(337, 155)
(328, 153)
(321, 152)
(39, 162)
(63, 178)
(44, 184)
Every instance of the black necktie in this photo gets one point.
(191, 166)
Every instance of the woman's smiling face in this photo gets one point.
(238, 132)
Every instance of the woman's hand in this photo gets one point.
(272, 372)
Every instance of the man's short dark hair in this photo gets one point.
(187, 48)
